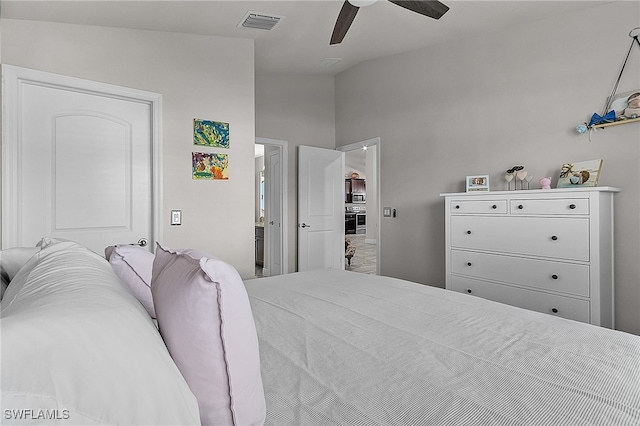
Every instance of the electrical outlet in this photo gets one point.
(176, 217)
(386, 212)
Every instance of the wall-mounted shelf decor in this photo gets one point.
(615, 123)
(618, 110)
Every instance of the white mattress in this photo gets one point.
(344, 348)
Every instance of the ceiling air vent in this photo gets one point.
(260, 21)
(329, 62)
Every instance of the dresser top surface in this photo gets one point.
(525, 192)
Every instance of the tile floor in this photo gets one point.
(364, 260)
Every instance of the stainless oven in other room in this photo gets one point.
(360, 218)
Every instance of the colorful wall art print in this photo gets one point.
(209, 166)
(584, 173)
(210, 133)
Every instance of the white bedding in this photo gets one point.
(78, 349)
(341, 348)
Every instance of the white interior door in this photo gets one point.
(320, 208)
(79, 162)
(273, 210)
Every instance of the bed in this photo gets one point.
(342, 348)
(332, 348)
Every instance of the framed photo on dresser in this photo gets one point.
(477, 183)
(583, 173)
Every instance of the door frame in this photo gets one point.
(284, 172)
(13, 77)
(358, 146)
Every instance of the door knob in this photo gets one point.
(142, 242)
(270, 222)
(304, 225)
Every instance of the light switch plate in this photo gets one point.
(176, 217)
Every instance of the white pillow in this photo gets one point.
(4, 282)
(47, 241)
(133, 265)
(76, 342)
(206, 321)
(12, 259)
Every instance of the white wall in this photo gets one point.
(482, 105)
(199, 77)
(300, 110)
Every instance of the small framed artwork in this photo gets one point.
(583, 173)
(210, 133)
(478, 183)
(209, 166)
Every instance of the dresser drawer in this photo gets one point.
(565, 307)
(560, 238)
(548, 275)
(570, 206)
(478, 207)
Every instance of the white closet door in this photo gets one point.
(82, 167)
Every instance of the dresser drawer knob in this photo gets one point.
(554, 238)
(468, 232)
(520, 206)
(555, 310)
(572, 206)
(468, 263)
(494, 207)
(457, 206)
(554, 276)
(469, 290)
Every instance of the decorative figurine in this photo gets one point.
(521, 175)
(509, 178)
(545, 182)
(633, 106)
(529, 178)
(511, 173)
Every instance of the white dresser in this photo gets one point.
(546, 250)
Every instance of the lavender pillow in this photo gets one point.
(206, 321)
(133, 265)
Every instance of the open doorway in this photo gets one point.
(362, 211)
(271, 239)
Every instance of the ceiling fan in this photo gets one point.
(431, 8)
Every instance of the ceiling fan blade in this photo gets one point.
(345, 18)
(431, 8)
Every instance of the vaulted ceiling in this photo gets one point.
(299, 43)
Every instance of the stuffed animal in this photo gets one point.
(633, 108)
(545, 182)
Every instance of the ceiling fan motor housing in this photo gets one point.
(362, 3)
